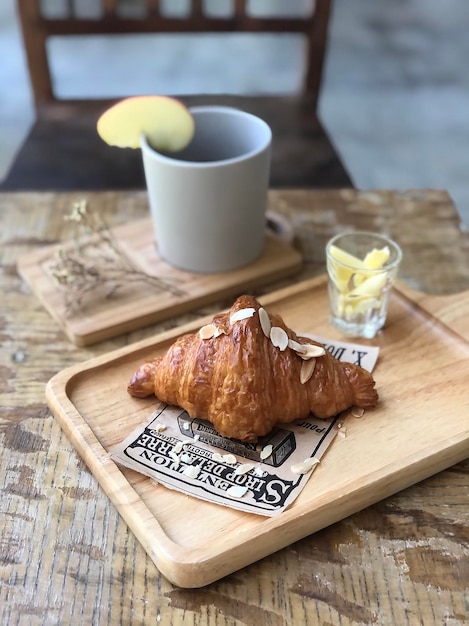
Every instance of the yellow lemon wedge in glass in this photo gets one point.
(358, 283)
(371, 286)
(345, 268)
(375, 259)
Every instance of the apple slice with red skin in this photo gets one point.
(166, 123)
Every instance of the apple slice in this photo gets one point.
(166, 123)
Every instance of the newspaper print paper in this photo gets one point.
(190, 456)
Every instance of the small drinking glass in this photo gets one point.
(362, 267)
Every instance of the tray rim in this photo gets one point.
(181, 565)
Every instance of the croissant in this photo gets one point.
(247, 371)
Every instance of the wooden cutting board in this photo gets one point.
(420, 427)
(138, 305)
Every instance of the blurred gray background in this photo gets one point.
(395, 97)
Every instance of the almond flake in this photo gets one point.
(160, 427)
(279, 337)
(305, 466)
(242, 314)
(192, 471)
(229, 459)
(357, 411)
(175, 458)
(208, 331)
(264, 319)
(185, 458)
(266, 452)
(300, 348)
(216, 456)
(237, 491)
(186, 425)
(244, 468)
(307, 370)
(311, 351)
(258, 471)
(178, 447)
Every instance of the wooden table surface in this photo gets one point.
(67, 557)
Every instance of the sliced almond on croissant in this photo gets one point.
(245, 383)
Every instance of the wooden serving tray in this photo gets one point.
(139, 305)
(420, 427)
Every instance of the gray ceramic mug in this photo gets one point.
(208, 201)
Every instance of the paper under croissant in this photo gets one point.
(247, 371)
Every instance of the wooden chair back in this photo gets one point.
(37, 28)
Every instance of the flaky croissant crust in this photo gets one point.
(243, 383)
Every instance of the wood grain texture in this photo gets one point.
(137, 304)
(401, 561)
(419, 428)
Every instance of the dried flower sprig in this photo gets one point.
(95, 262)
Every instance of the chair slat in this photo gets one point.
(197, 8)
(109, 7)
(317, 46)
(240, 8)
(37, 29)
(34, 37)
(151, 24)
(153, 7)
